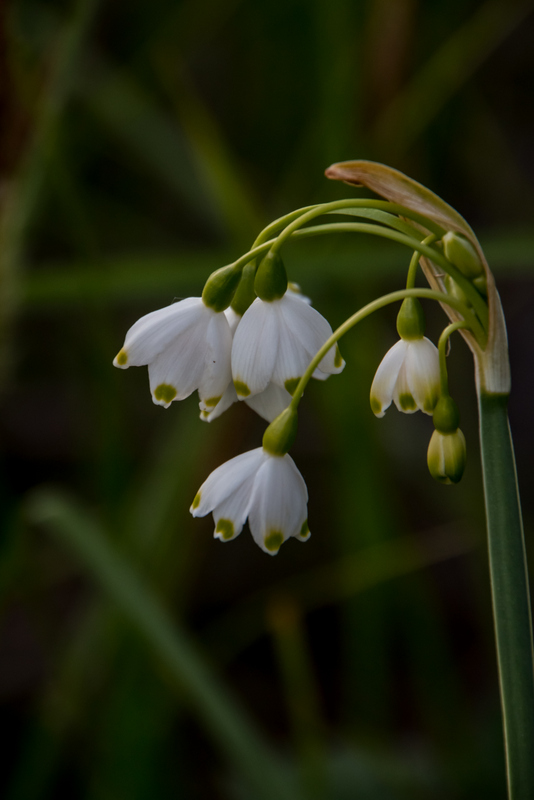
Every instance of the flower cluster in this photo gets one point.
(258, 357)
(252, 337)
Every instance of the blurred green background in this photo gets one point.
(143, 145)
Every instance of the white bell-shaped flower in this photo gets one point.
(275, 341)
(409, 375)
(186, 346)
(267, 404)
(267, 490)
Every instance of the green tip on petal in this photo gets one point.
(212, 401)
(196, 501)
(226, 529)
(121, 359)
(376, 407)
(273, 540)
(338, 358)
(291, 384)
(407, 403)
(305, 531)
(241, 388)
(165, 393)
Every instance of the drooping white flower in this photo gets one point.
(186, 346)
(268, 404)
(409, 375)
(275, 341)
(267, 489)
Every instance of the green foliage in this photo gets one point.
(143, 146)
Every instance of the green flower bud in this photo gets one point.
(446, 416)
(455, 290)
(481, 284)
(220, 287)
(411, 320)
(446, 456)
(462, 254)
(271, 278)
(280, 435)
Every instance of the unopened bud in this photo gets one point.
(460, 252)
(446, 456)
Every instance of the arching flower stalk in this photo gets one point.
(251, 338)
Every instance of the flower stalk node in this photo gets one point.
(446, 416)
(280, 435)
(271, 278)
(411, 320)
(220, 287)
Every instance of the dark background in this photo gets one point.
(142, 146)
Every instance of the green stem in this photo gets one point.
(511, 602)
(414, 263)
(375, 305)
(442, 346)
(356, 203)
(478, 303)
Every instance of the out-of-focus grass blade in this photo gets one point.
(21, 195)
(128, 278)
(130, 114)
(235, 202)
(331, 583)
(232, 732)
(414, 108)
(301, 693)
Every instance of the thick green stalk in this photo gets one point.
(511, 602)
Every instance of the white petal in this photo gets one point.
(292, 359)
(233, 319)
(311, 330)
(422, 369)
(217, 372)
(179, 368)
(385, 378)
(209, 413)
(269, 403)
(230, 515)
(154, 332)
(226, 480)
(278, 504)
(294, 289)
(402, 393)
(255, 347)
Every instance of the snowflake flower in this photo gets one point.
(266, 489)
(186, 346)
(409, 375)
(275, 341)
